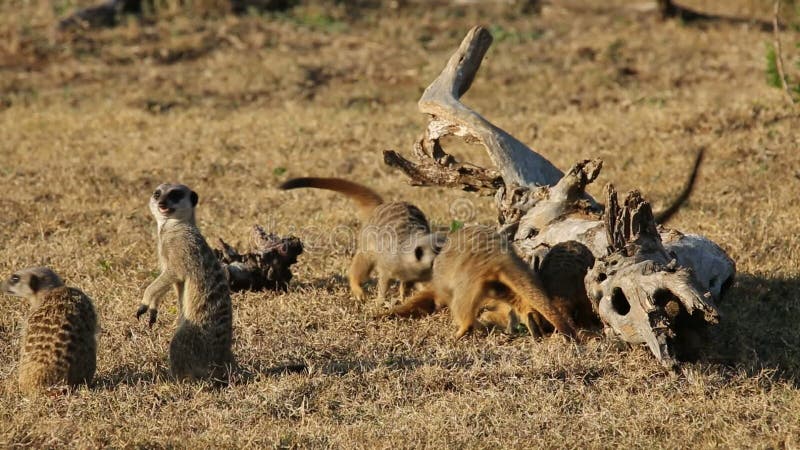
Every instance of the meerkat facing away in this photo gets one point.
(58, 343)
(395, 238)
(480, 278)
(562, 272)
(201, 346)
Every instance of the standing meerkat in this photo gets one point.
(201, 346)
(480, 278)
(58, 342)
(395, 238)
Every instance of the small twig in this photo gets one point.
(778, 55)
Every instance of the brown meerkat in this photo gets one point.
(58, 343)
(201, 346)
(562, 272)
(395, 237)
(480, 278)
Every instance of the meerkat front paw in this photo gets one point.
(359, 293)
(153, 314)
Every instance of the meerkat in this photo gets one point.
(58, 343)
(201, 346)
(395, 238)
(480, 278)
(562, 271)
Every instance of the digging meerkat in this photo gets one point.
(58, 343)
(201, 346)
(395, 238)
(480, 278)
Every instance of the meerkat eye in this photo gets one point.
(156, 195)
(14, 279)
(418, 253)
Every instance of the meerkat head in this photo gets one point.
(173, 202)
(30, 283)
(420, 255)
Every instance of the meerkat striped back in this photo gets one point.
(403, 219)
(59, 344)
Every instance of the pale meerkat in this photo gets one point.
(480, 278)
(59, 346)
(201, 346)
(395, 238)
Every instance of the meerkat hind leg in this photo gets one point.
(463, 309)
(383, 285)
(188, 356)
(422, 303)
(534, 324)
(360, 268)
(405, 288)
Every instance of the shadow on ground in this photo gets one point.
(129, 374)
(760, 327)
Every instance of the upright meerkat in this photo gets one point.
(58, 342)
(201, 346)
(480, 278)
(395, 238)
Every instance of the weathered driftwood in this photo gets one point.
(442, 101)
(668, 280)
(266, 266)
(639, 289)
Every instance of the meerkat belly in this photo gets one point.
(200, 302)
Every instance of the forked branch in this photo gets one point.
(517, 163)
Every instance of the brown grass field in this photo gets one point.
(231, 106)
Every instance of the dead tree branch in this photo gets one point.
(267, 266)
(441, 100)
(428, 172)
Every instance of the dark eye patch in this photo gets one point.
(14, 279)
(418, 252)
(175, 196)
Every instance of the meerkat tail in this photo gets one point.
(422, 303)
(365, 198)
(664, 216)
(536, 300)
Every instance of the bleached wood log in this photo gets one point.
(669, 280)
(442, 100)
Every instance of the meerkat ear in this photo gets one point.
(193, 196)
(33, 283)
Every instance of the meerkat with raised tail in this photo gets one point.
(395, 238)
(59, 346)
(201, 346)
(480, 278)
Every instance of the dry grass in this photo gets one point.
(90, 126)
